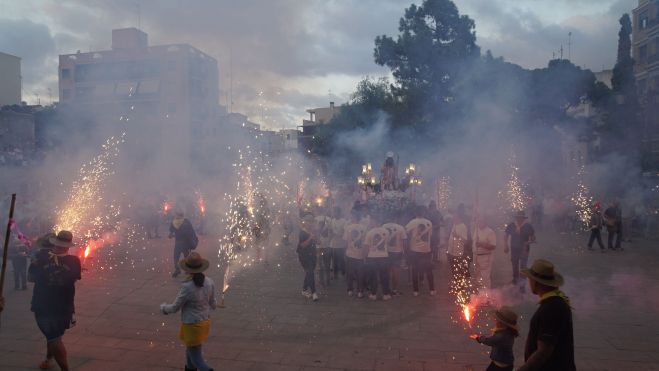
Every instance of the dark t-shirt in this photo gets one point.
(54, 285)
(308, 250)
(519, 239)
(552, 324)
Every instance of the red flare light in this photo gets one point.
(166, 206)
(467, 313)
(202, 207)
(91, 245)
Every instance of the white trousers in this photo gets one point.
(484, 269)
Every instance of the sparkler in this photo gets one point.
(582, 199)
(467, 314)
(259, 198)
(514, 194)
(86, 213)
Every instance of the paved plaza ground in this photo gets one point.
(267, 325)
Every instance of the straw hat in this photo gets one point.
(193, 263)
(542, 271)
(43, 242)
(63, 239)
(507, 316)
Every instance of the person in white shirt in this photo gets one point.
(395, 247)
(485, 242)
(457, 251)
(355, 254)
(377, 262)
(337, 243)
(419, 231)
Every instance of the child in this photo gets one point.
(502, 340)
(195, 300)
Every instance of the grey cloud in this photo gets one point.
(30, 41)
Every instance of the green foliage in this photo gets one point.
(428, 56)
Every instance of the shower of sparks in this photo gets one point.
(582, 199)
(461, 287)
(514, 195)
(258, 203)
(443, 192)
(86, 212)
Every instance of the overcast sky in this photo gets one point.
(292, 55)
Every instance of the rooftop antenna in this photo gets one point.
(561, 51)
(569, 45)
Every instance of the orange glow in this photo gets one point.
(467, 313)
(202, 206)
(166, 206)
(92, 245)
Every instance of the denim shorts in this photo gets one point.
(53, 327)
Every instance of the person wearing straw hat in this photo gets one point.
(550, 341)
(502, 340)
(195, 299)
(518, 238)
(54, 274)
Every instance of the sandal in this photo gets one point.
(45, 365)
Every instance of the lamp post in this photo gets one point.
(366, 179)
(414, 178)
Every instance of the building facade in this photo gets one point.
(10, 79)
(17, 138)
(317, 117)
(167, 93)
(645, 36)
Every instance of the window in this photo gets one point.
(643, 20)
(66, 73)
(66, 93)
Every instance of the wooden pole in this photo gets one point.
(6, 245)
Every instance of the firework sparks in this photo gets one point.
(467, 314)
(514, 195)
(86, 212)
(444, 191)
(582, 199)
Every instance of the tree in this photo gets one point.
(434, 46)
(623, 122)
(623, 73)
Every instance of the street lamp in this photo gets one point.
(414, 178)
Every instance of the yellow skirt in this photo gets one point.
(194, 334)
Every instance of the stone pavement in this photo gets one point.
(267, 325)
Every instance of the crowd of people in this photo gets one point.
(371, 251)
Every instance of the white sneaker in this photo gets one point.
(386, 297)
(372, 297)
(306, 294)
(314, 297)
(416, 293)
(350, 293)
(433, 292)
(360, 295)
